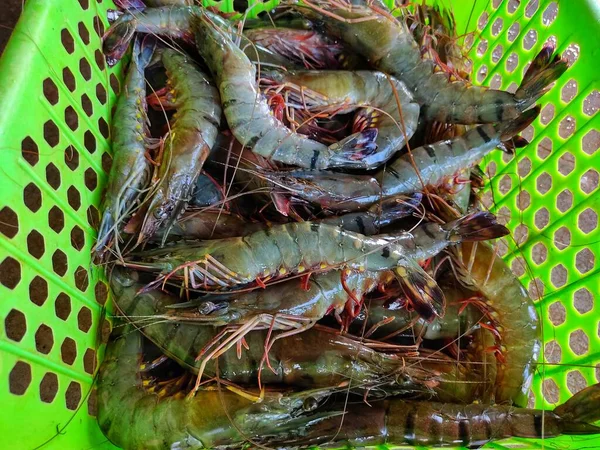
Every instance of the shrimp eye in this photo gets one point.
(310, 404)
(206, 308)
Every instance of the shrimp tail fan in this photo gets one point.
(544, 70)
(424, 294)
(579, 412)
(479, 226)
(509, 130)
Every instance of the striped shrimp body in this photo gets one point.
(134, 418)
(317, 358)
(248, 113)
(297, 248)
(130, 169)
(423, 166)
(398, 422)
(192, 134)
(384, 104)
(514, 315)
(369, 29)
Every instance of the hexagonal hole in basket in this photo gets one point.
(56, 219)
(541, 218)
(566, 163)
(543, 183)
(59, 263)
(73, 395)
(10, 272)
(558, 275)
(30, 151)
(9, 222)
(550, 13)
(539, 253)
(71, 158)
(585, 261)
(587, 221)
(15, 325)
(591, 103)
(44, 339)
(557, 313)
(564, 200)
(589, 181)
(19, 378)
(50, 91)
(583, 301)
(591, 142)
(513, 31)
(38, 290)
(579, 342)
(68, 351)
(53, 176)
(575, 381)
(552, 352)
(62, 306)
(567, 127)
(544, 148)
(32, 197)
(530, 39)
(562, 238)
(48, 387)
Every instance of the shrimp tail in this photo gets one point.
(479, 226)
(115, 41)
(424, 294)
(356, 146)
(544, 70)
(509, 130)
(580, 411)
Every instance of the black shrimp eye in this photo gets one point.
(310, 404)
(206, 308)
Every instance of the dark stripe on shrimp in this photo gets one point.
(499, 110)
(428, 232)
(483, 134)
(394, 172)
(228, 103)
(537, 424)
(314, 227)
(464, 432)
(430, 151)
(409, 425)
(361, 224)
(313, 160)
(385, 252)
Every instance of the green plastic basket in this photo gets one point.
(57, 95)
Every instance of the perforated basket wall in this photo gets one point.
(57, 95)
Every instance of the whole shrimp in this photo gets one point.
(396, 422)
(296, 248)
(514, 316)
(384, 104)
(316, 358)
(192, 134)
(247, 111)
(134, 418)
(369, 28)
(412, 172)
(130, 169)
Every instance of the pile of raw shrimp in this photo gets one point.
(293, 237)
